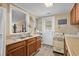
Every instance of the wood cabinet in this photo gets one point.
(38, 42)
(19, 51)
(73, 17)
(16, 49)
(31, 46)
(77, 13)
(24, 48)
(74, 14)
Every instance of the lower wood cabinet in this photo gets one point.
(38, 43)
(33, 45)
(31, 48)
(24, 48)
(19, 51)
(16, 49)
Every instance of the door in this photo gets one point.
(31, 48)
(48, 30)
(38, 43)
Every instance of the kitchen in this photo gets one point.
(39, 29)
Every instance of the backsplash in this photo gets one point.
(66, 28)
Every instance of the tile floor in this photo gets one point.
(47, 50)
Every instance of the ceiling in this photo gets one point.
(39, 9)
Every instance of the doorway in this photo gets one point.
(48, 30)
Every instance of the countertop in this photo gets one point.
(72, 45)
(11, 41)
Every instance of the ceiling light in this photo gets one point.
(48, 4)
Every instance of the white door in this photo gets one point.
(48, 30)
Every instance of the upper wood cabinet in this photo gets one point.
(74, 15)
(77, 13)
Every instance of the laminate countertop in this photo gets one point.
(11, 41)
(72, 44)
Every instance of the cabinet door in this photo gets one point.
(73, 16)
(19, 51)
(38, 43)
(77, 13)
(31, 48)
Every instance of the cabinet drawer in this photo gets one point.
(15, 45)
(31, 39)
(31, 43)
(20, 51)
